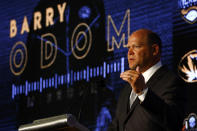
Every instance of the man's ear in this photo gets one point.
(155, 48)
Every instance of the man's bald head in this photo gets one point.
(152, 37)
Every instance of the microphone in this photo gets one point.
(54, 122)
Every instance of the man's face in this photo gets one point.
(140, 53)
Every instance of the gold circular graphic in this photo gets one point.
(81, 52)
(23, 62)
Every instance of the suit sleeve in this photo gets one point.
(114, 125)
(166, 105)
(116, 122)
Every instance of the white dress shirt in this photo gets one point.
(147, 75)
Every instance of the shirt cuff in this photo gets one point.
(143, 95)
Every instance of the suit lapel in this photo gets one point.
(135, 103)
(125, 103)
(128, 109)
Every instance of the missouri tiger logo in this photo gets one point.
(187, 67)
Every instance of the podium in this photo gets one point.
(65, 122)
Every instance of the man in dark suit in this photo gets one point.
(153, 99)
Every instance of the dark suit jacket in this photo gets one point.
(161, 110)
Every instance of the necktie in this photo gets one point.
(132, 98)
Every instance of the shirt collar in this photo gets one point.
(148, 73)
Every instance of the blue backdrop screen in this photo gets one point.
(66, 56)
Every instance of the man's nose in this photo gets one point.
(130, 52)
